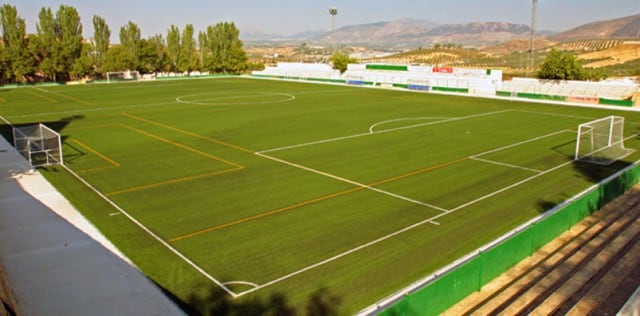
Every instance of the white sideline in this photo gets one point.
(358, 184)
(381, 132)
(152, 234)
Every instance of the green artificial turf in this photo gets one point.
(304, 190)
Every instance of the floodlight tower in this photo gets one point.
(333, 11)
(532, 32)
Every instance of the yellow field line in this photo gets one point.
(95, 169)
(2, 100)
(71, 98)
(185, 147)
(90, 126)
(313, 201)
(97, 153)
(188, 133)
(173, 181)
(42, 97)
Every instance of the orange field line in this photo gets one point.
(43, 97)
(185, 147)
(97, 153)
(313, 201)
(174, 181)
(265, 214)
(188, 133)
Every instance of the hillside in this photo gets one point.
(626, 27)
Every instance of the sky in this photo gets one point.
(287, 17)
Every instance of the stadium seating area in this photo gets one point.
(482, 82)
(618, 90)
(300, 71)
(477, 81)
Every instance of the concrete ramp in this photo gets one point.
(55, 267)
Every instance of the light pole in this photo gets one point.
(333, 11)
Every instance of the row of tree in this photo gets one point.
(58, 52)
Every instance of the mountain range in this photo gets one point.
(412, 33)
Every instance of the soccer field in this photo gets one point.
(257, 188)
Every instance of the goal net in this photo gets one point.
(118, 76)
(601, 141)
(39, 144)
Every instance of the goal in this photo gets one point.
(39, 144)
(118, 76)
(601, 141)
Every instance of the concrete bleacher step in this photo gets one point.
(561, 298)
(598, 299)
(535, 278)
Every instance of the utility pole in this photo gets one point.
(532, 31)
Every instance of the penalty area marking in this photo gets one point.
(216, 99)
(251, 284)
(372, 127)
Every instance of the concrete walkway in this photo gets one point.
(56, 262)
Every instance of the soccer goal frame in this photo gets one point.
(119, 76)
(601, 141)
(39, 144)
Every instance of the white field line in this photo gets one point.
(241, 283)
(92, 110)
(431, 220)
(40, 89)
(383, 131)
(555, 114)
(511, 186)
(358, 184)
(505, 164)
(371, 243)
(521, 143)
(340, 255)
(372, 127)
(152, 234)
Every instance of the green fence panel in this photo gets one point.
(400, 308)
(387, 67)
(446, 291)
(448, 89)
(401, 85)
(505, 255)
(616, 102)
(503, 93)
(551, 227)
(541, 96)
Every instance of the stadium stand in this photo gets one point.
(428, 78)
(617, 90)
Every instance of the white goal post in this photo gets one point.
(117, 76)
(601, 141)
(39, 144)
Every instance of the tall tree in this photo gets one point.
(15, 46)
(69, 36)
(188, 58)
(154, 55)
(131, 41)
(101, 36)
(173, 46)
(47, 47)
(222, 49)
(60, 42)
